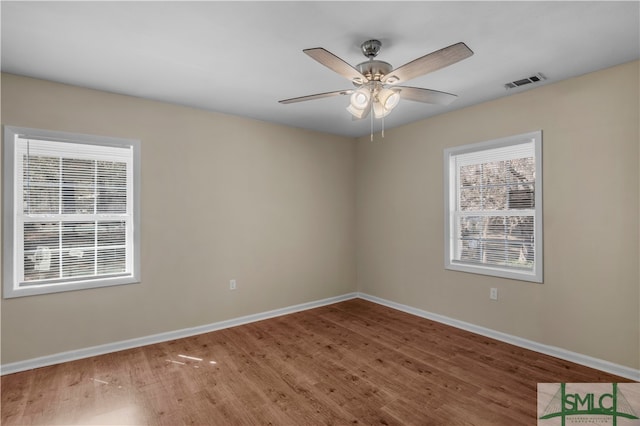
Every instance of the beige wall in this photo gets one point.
(589, 302)
(222, 198)
(293, 215)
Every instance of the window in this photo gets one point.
(493, 203)
(71, 211)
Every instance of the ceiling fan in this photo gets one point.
(376, 82)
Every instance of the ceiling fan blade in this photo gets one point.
(316, 96)
(336, 64)
(428, 63)
(425, 95)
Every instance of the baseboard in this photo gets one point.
(577, 358)
(44, 361)
(599, 364)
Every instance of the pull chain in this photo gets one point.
(371, 114)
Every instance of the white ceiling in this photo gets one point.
(242, 57)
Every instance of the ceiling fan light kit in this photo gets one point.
(357, 113)
(360, 98)
(380, 111)
(376, 93)
(388, 98)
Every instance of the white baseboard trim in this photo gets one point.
(58, 358)
(577, 358)
(599, 364)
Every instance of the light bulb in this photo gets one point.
(360, 98)
(388, 98)
(379, 111)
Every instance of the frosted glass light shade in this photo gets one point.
(388, 98)
(358, 113)
(379, 111)
(360, 98)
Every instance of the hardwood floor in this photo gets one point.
(353, 362)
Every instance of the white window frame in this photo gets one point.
(451, 187)
(13, 244)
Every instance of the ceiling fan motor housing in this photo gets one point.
(374, 70)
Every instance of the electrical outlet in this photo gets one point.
(232, 285)
(493, 294)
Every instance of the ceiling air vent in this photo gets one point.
(523, 82)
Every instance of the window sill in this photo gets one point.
(495, 271)
(33, 290)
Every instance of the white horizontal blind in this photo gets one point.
(494, 217)
(73, 211)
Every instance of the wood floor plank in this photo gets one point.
(353, 362)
